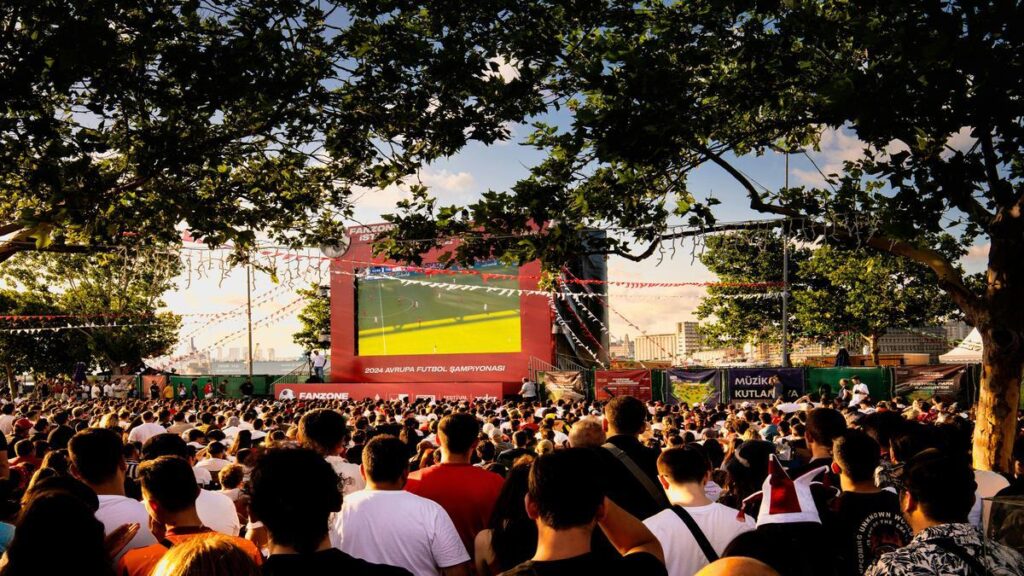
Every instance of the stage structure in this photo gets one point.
(452, 332)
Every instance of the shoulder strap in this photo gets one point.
(698, 534)
(974, 566)
(524, 569)
(638, 474)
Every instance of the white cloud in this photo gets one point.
(445, 181)
(977, 253)
(654, 310)
(507, 69)
(961, 141)
(837, 146)
(449, 187)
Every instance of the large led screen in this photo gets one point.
(403, 312)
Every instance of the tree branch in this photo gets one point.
(10, 228)
(755, 198)
(1003, 197)
(949, 278)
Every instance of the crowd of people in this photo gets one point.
(189, 486)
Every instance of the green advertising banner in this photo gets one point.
(879, 380)
(260, 383)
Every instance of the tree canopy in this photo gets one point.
(315, 318)
(81, 298)
(650, 90)
(835, 292)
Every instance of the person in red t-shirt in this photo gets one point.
(466, 492)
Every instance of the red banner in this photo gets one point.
(612, 383)
(391, 391)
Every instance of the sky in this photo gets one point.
(464, 177)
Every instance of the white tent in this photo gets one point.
(967, 352)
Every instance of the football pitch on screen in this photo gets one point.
(406, 319)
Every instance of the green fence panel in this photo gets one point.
(879, 380)
(261, 383)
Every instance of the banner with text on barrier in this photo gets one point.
(925, 382)
(563, 385)
(611, 383)
(764, 384)
(463, 391)
(693, 387)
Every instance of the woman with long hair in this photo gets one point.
(57, 521)
(512, 536)
(242, 441)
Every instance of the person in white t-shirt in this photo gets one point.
(216, 510)
(860, 392)
(95, 392)
(97, 460)
(683, 473)
(215, 460)
(7, 419)
(147, 429)
(420, 536)
(325, 431)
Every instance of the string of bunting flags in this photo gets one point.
(572, 335)
(272, 318)
(36, 330)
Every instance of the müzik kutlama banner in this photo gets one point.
(764, 384)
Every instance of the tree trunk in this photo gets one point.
(12, 381)
(995, 428)
(1001, 325)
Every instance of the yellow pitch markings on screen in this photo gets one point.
(496, 332)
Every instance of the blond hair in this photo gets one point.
(213, 555)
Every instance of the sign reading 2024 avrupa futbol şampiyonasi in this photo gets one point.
(760, 385)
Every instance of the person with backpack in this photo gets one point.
(695, 530)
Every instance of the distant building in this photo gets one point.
(688, 339)
(929, 340)
(234, 354)
(621, 349)
(650, 347)
(271, 355)
(956, 331)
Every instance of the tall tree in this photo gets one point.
(866, 293)
(123, 119)
(24, 348)
(315, 318)
(106, 303)
(655, 89)
(834, 292)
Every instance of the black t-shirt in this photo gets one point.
(331, 562)
(593, 565)
(863, 527)
(623, 488)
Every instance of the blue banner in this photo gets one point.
(764, 384)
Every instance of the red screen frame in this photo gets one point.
(536, 338)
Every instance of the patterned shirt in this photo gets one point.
(949, 549)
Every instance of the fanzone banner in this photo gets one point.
(611, 383)
(925, 382)
(692, 388)
(563, 385)
(469, 392)
(764, 384)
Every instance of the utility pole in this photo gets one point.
(248, 310)
(785, 283)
